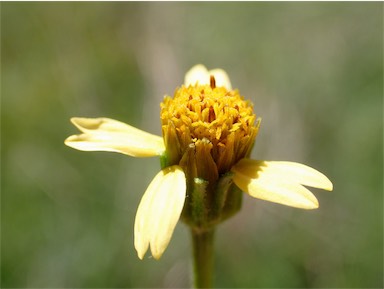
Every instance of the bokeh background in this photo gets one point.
(314, 72)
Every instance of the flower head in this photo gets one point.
(208, 133)
(208, 118)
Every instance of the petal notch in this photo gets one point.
(199, 74)
(280, 182)
(159, 211)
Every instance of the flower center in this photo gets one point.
(213, 117)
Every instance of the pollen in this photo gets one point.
(201, 113)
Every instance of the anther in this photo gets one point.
(212, 115)
(212, 81)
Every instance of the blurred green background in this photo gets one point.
(314, 72)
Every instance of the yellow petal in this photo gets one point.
(159, 210)
(104, 134)
(280, 182)
(199, 74)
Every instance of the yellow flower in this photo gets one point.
(208, 133)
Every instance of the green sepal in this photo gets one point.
(198, 201)
(164, 162)
(233, 202)
(228, 197)
(210, 204)
(221, 191)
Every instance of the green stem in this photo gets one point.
(203, 257)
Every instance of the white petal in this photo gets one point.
(199, 74)
(104, 134)
(280, 182)
(159, 211)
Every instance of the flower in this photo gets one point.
(208, 133)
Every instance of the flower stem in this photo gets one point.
(203, 257)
